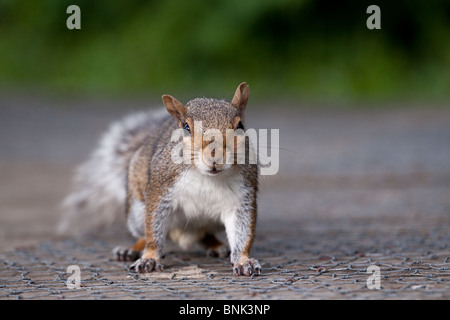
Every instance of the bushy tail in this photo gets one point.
(99, 191)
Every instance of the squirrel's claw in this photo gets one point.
(248, 268)
(143, 265)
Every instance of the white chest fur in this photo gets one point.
(203, 198)
(198, 204)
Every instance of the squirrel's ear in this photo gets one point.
(175, 108)
(240, 98)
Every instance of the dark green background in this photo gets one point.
(309, 50)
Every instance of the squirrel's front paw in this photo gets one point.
(249, 267)
(146, 265)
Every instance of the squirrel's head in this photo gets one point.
(207, 123)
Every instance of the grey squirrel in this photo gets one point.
(132, 170)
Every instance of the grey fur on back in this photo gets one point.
(99, 190)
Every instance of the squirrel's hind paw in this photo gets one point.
(143, 265)
(220, 252)
(121, 253)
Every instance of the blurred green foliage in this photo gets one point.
(288, 48)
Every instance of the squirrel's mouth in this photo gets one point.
(214, 171)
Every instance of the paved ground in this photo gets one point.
(355, 189)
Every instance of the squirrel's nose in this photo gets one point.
(212, 157)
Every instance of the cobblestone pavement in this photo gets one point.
(355, 189)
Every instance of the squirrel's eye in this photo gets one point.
(240, 126)
(186, 127)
